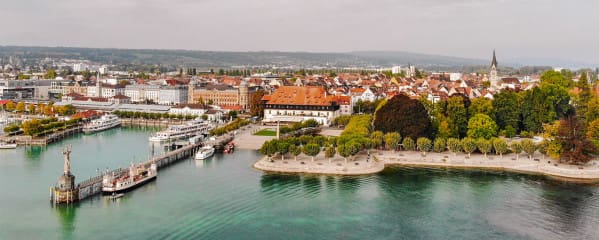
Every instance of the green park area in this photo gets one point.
(266, 132)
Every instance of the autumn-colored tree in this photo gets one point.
(329, 152)
(20, 107)
(500, 146)
(408, 144)
(295, 151)
(576, 147)
(424, 145)
(406, 116)
(392, 140)
(439, 145)
(517, 149)
(256, 106)
(269, 148)
(484, 146)
(469, 145)
(311, 150)
(377, 139)
(454, 145)
(282, 148)
(31, 108)
(529, 147)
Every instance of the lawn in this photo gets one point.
(266, 132)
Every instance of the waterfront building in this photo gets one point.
(296, 104)
(220, 95)
(189, 109)
(143, 92)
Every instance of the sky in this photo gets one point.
(517, 29)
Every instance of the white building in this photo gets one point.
(79, 67)
(173, 95)
(455, 76)
(188, 109)
(103, 69)
(396, 70)
(142, 92)
(296, 104)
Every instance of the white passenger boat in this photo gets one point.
(186, 130)
(105, 122)
(135, 177)
(205, 152)
(8, 145)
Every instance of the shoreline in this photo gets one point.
(384, 159)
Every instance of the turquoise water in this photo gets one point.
(224, 198)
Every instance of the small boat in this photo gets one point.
(229, 148)
(8, 145)
(135, 177)
(115, 196)
(205, 152)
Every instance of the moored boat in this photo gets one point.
(8, 145)
(175, 132)
(229, 148)
(205, 152)
(103, 123)
(135, 177)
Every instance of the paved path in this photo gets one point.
(244, 138)
(361, 165)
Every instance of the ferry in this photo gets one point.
(205, 152)
(105, 122)
(186, 130)
(135, 177)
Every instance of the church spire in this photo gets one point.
(494, 62)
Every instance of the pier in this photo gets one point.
(66, 191)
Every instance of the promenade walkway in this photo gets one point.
(538, 165)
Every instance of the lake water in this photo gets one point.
(225, 198)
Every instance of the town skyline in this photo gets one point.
(518, 31)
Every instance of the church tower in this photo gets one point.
(244, 94)
(493, 78)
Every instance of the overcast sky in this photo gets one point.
(554, 29)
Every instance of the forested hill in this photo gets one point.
(228, 59)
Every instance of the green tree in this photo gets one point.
(517, 149)
(484, 146)
(454, 145)
(311, 150)
(582, 98)
(593, 132)
(343, 151)
(481, 105)
(50, 74)
(406, 116)
(481, 126)
(439, 145)
(507, 110)
(408, 144)
(500, 146)
(377, 139)
(329, 152)
(392, 140)
(354, 148)
(31, 127)
(269, 148)
(282, 148)
(295, 150)
(424, 145)
(457, 113)
(555, 78)
(469, 145)
(529, 147)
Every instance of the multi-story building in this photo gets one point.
(221, 95)
(143, 92)
(296, 104)
(173, 95)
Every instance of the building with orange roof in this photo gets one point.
(296, 104)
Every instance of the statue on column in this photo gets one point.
(67, 160)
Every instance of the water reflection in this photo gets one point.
(66, 215)
(34, 152)
(567, 204)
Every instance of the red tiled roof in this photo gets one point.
(293, 95)
(2, 102)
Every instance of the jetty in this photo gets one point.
(66, 191)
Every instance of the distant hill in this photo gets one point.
(216, 59)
